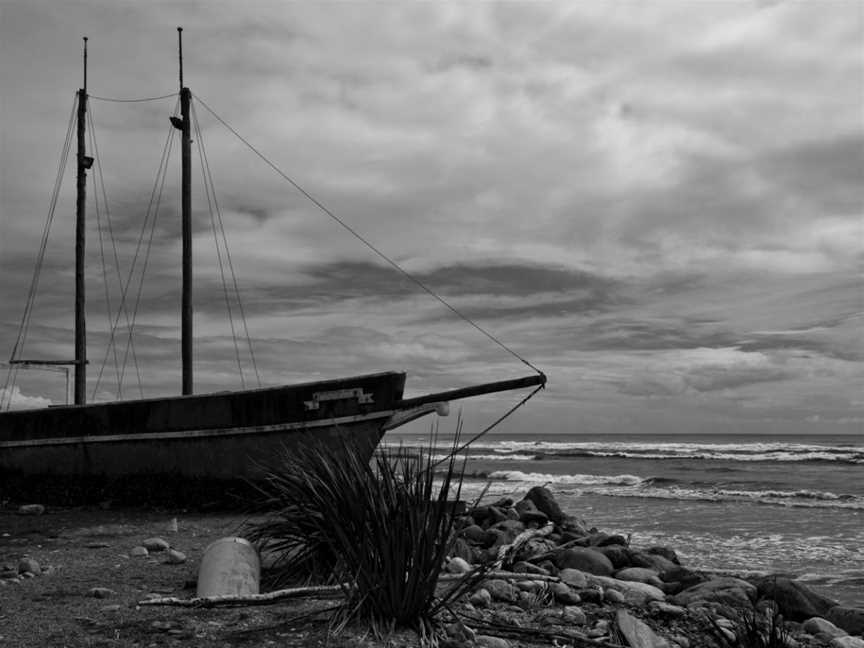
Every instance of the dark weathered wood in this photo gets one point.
(186, 186)
(80, 231)
(475, 390)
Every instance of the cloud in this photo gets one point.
(19, 401)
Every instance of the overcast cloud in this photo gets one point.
(660, 204)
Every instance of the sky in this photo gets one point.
(659, 204)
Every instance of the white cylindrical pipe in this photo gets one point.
(230, 566)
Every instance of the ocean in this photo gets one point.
(790, 504)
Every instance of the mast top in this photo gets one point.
(180, 48)
(85, 64)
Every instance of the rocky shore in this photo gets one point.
(552, 580)
(569, 577)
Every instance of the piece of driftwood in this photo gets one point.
(249, 599)
(504, 575)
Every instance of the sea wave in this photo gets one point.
(671, 489)
(750, 451)
(587, 480)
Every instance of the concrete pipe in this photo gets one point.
(230, 566)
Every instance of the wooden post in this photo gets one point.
(80, 232)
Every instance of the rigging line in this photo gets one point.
(115, 253)
(490, 427)
(138, 100)
(125, 286)
(20, 340)
(207, 189)
(147, 256)
(104, 266)
(368, 244)
(227, 250)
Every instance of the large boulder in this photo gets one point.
(795, 602)
(474, 533)
(501, 590)
(726, 590)
(818, 625)
(650, 561)
(619, 556)
(667, 552)
(849, 618)
(545, 502)
(574, 578)
(586, 560)
(639, 594)
(640, 575)
(530, 514)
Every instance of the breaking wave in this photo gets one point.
(751, 452)
(671, 489)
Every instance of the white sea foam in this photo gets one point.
(747, 451)
(581, 480)
(641, 487)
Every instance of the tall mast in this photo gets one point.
(84, 163)
(186, 218)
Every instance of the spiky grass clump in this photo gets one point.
(754, 628)
(382, 529)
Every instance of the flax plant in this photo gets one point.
(381, 529)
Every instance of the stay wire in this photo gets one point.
(134, 100)
(227, 249)
(489, 427)
(367, 243)
(125, 286)
(21, 338)
(147, 254)
(105, 284)
(115, 253)
(207, 189)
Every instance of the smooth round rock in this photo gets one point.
(155, 544)
(175, 557)
(481, 598)
(458, 566)
(30, 565)
(139, 552)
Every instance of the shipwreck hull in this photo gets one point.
(190, 448)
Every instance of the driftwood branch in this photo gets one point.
(504, 575)
(577, 639)
(320, 591)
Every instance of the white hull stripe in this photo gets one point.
(198, 434)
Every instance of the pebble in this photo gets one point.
(155, 544)
(112, 608)
(139, 551)
(175, 557)
(458, 566)
(28, 565)
(564, 595)
(31, 509)
(574, 615)
(481, 598)
(101, 592)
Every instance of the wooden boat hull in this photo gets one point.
(208, 439)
